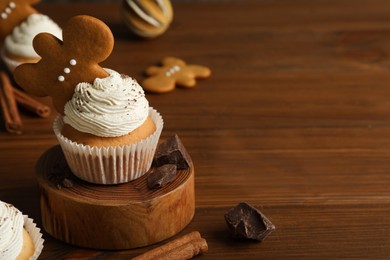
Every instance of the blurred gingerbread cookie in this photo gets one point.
(66, 63)
(173, 72)
(13, 12)
(19, 24)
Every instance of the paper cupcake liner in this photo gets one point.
(36, 236)
(110, 165)
(11, 64)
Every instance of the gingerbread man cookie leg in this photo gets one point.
(200, 72)
(187, 79)
(159, 84)
(173, 72)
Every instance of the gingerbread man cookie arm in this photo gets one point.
(199, 71)
(185, 80)
(42, 40)
(159, 84)
(32, 84)
(153, 70)
(191, 72)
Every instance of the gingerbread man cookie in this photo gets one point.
(173, 71)
(12, 13)
(87, 41)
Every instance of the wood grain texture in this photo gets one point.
(111, 217)
(295, 120)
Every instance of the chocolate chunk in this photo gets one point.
(60, 175)
(161, 176)
(245, 221)
(67, 183)
(172, 151)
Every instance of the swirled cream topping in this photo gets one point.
(110, 107)
(11, 231)
(19, 42)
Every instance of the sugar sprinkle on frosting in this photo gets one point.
(11, 231)
(110, 107)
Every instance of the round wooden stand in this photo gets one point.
(119, 216)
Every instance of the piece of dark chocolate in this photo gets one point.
(161, 176)
(245, 221)
(67, 183)
(60, 175)
(172, 151)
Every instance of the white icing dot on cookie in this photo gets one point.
(8, 10)
(67, 70)
(172, 70)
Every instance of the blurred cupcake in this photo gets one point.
(18, 48)
(108, 132)
(20, 239)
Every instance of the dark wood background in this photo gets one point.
(294, 120)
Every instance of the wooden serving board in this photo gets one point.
(122, 216)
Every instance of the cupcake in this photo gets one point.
(106, 129)
(18, 48)
(108, 132)
(20, 239)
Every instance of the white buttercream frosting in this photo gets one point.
(11, 231)
(110, 107)
(19, 42)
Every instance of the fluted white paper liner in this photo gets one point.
(36, 236)
(11, 64)
(110, 165)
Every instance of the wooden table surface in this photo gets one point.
(295, 120)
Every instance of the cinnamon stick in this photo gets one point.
(186, 251)
(184, 247)
(13, 122)
(31, 104)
